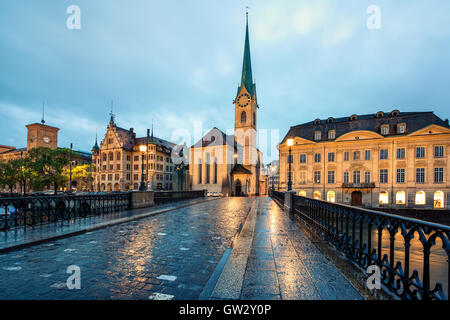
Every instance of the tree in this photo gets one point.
(48, 165)
(25, 173)
(81, 173)
(8, 174)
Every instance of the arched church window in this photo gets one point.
(254, 118)
(243, 117)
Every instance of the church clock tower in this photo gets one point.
(246, 109)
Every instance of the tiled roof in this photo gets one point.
(215, 137)
(239, 168)
(14, 151)
(371, 122)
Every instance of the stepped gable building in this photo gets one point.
(395, 159)
(118, 162)
(231, 163)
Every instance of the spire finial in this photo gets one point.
(247, 79)
(43, 113)
(111, 114)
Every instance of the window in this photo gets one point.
(420, 152)
(116, 176)
(384, 197)
(401, 153)
(331, 177)
(103, 177)
(110, 176)
(383, 176)
(215, 171)
(384, 154)
(317, 135)
(302, 193)
(367, 177)
(385, 130)
(199, 171)
(111, 156)
(400, 175)
(420, 198)
(302, 179)
(401, 128)
(345, 177)
(356, 176)
(136, 158)
(317, 157)
(316, 176)
(439, 151)
(317, 195)
(438, 175)
(331, 196)
(367, 155)
(118, 166)
(136, 177)
(289, 158)
(118, 156)
(356, 155)
(400, 197)
(254, 118)
(438, 200)
(331, 134)
(303, 158)
(243, 117)
(136, 167)
(207, 167)
(420, 175)
(331, 157)
(346, 156)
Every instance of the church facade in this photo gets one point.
(231, 163)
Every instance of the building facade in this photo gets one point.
(231, 163)
(42, 135)
(396, 160)
(120, 165)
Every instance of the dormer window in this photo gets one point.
(385, 129)
(317, 135)
(317, 121)
(395, 113)
(379, 114)
(401, 128)
(330, 120)
(353, 117)
(331, 134)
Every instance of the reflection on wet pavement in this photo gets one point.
(169, 256)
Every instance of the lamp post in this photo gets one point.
(70, 168)
(290, 143)
(142, 187)
(273, 177)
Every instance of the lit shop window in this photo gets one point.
(420, 198)
(384, 197)
(317, 195)
(400, 198)
(302, 193)
(331, 196)
(439, 200)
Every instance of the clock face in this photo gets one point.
(243, 100)
(47, 140)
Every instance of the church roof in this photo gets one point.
(239, 168)
(215, 137)
(368, 122)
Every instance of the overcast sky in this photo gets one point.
(179, 63)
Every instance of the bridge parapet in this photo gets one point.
(386, 240)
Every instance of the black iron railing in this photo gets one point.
(279, 196)
(162, 197)
(29, 211)
(389, 241)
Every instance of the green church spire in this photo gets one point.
(247, 78)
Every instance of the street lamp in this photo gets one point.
(142, 187)
(273, 177)
(70, 168)
(290, 143)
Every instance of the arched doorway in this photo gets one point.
(238, 188)
(356, 198)
(109, 187)
(116, 187)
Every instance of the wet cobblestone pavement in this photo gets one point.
(284, 264)
(171, 256)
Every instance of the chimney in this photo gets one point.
(131, 129)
